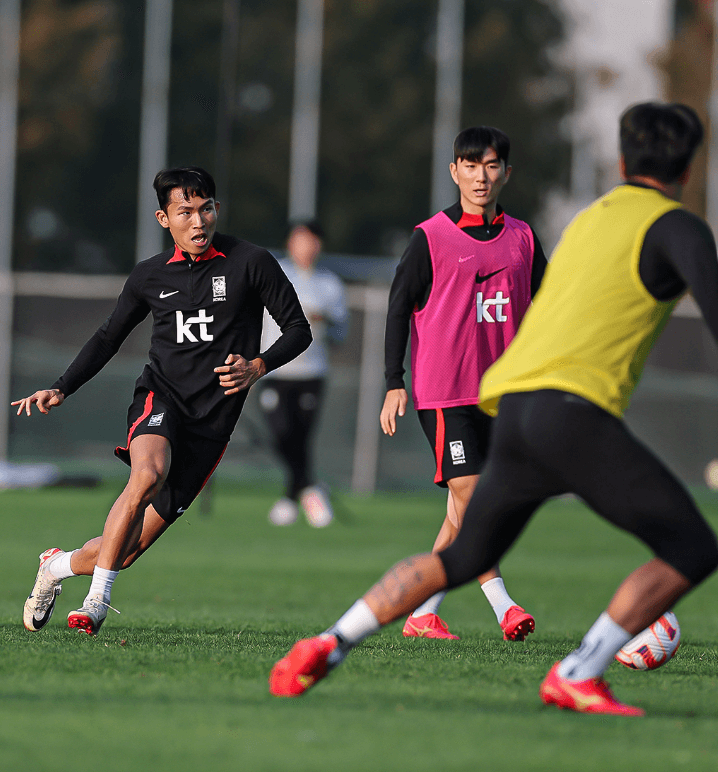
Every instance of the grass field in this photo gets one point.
(179, 680)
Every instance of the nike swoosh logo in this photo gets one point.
(480, 278)
(583, 701)
(167, 294)
(43, 620)
(421, 631)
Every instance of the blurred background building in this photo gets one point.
(359, 97)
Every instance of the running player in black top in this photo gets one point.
(563, 384)
(207, 297)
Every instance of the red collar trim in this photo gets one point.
(208, 254)
(472, 220)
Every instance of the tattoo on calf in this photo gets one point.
(396, 586)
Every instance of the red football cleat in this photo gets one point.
(90, 617)
(305, 664)
(517, 624)
(427, 626)
(590, 696)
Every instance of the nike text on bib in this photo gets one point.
(482, 308)
(184, 326)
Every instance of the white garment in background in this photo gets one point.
(321, 293)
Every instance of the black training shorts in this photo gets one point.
(547, 443)
(459, 438)
(194, 458)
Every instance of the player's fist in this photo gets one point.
(45, 399)
(239, 374)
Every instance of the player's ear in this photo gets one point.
(162, 218)
(507, 173)
(454, 172)
(622, 166)
(216, 207)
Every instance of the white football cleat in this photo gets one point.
(41, 602)
(90, 617)
(316, 506)
(284, 512)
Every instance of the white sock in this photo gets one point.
(596, 651)
(430, 606)
(59, 566)
(101, 587)
(497, 596)
(356, 624)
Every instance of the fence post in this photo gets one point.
(371, 378)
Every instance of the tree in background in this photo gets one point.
(378, 111)
(686, 65)
(80, 97)
(69, 54)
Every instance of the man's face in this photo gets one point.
(304, 247)
(480, 182)
(192, 222)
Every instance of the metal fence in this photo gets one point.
(675, 409)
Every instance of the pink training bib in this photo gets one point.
(480, 292)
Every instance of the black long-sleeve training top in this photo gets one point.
(202, 311)
(679, 253)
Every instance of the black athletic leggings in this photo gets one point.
(546, 443)
(292, 410)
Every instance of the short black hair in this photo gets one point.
(659, 140)
(313, 226)
(471, 144)
(193, 181)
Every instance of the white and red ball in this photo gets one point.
(654, 646)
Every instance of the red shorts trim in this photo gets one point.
(206, 480)
(439, 447)
(147, 410)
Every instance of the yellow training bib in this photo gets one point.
(592, 322)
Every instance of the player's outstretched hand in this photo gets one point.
(395, 402)
(239, 373)
(45, 399)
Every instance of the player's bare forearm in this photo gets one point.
(45, 399)
(238, 373)
(405, 587)
(395, 403)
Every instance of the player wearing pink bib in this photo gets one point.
(461, 290)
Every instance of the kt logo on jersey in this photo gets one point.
(192, 326)
(483, 308)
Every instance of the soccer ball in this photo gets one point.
(654, 646)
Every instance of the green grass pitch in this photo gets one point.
(178, 681)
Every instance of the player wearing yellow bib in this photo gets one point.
(560, 391)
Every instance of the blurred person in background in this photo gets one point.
(462, 287)
(207, 296)
(291, 397)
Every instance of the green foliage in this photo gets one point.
(376, 121)
(178, 682)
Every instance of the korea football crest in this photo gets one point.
(219, 289)
(156, 419)
(456, 449)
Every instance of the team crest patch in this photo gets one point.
(219, 288)
(457, 452)
(156, 419)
